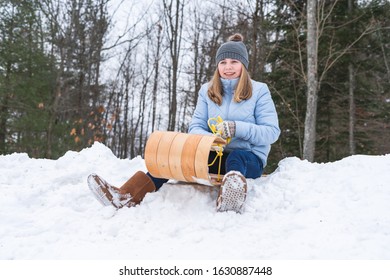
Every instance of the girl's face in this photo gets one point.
(229, 68)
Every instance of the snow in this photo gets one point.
(303, 210)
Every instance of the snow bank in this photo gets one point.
(303, 210)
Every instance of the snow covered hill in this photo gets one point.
(303, 210)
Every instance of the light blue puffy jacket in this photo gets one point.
(257, 125)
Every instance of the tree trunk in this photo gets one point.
(175, 27)
(351, 82)
(3, 123)
(351, 86)
(53, 111)
(156, 76)
(312, 82)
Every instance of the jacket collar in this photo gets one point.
(229, 85)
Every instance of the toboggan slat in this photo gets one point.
(181, 156)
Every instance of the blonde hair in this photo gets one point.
(243, 90)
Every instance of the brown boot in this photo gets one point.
(232, 193)
(130, 194)
(137, 187)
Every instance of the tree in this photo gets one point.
(25, 79)
(173, 11)
(325, 49)
(77, 34)
(312, 82)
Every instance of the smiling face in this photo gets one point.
(229, 68)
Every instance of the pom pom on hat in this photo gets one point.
(233, 49)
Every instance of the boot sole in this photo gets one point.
(95, 184)
(232, 196)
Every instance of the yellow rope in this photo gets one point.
(219, 154)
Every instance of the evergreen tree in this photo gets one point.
(25, 79)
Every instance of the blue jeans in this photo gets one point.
(246, 162)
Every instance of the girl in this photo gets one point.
(250, 122)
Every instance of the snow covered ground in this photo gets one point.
(303, 210)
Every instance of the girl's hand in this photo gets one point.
(226, 129)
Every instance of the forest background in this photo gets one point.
(78, 71)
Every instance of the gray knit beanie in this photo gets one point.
(233, 49)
